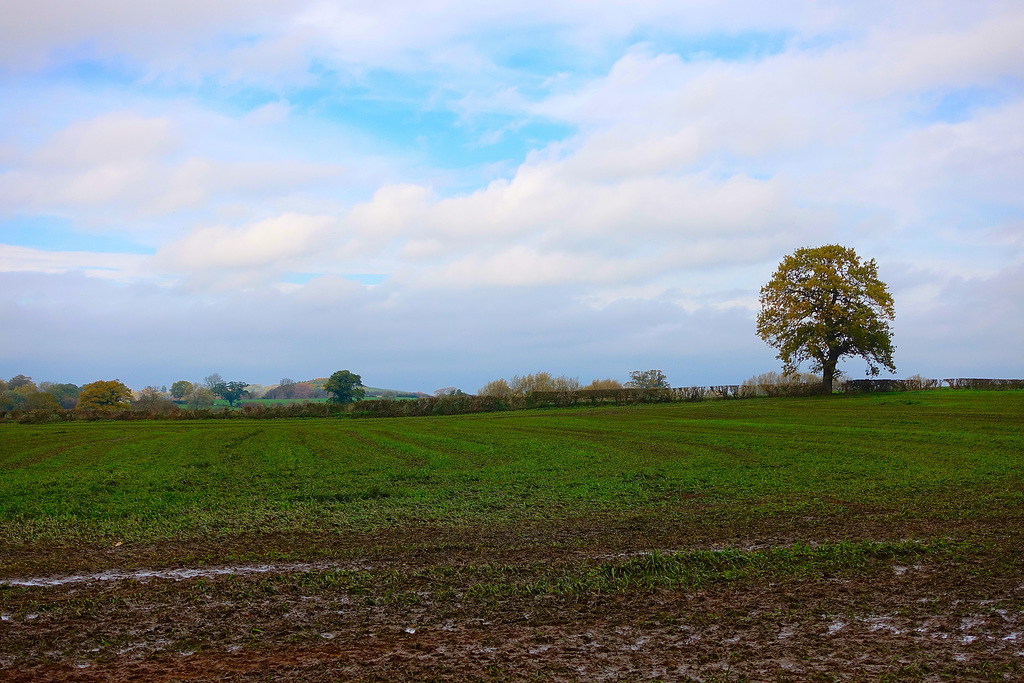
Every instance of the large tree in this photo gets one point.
(104, 395)
(345, 387)
(824, 304)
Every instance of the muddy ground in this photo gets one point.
(463, 604)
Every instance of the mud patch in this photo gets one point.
(475, 605)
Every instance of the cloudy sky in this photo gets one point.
(443, 192)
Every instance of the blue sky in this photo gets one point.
(442, 193)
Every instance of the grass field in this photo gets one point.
(888, 525)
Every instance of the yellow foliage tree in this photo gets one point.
(105, 395)
(823, 304)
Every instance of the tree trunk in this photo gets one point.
(828, 373)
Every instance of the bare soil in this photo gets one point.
(429, 604)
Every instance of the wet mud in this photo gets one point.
(436, 605)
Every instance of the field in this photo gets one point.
(866, 537)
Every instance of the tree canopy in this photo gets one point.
(823, 304)
(180, 388)
(198, 396)
(230, 391)
(647, 379)
(65, 394)
(344, 387)
(104, 395)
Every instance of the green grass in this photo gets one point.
(936, 453)
(268, 401)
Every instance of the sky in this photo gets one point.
(441, 193)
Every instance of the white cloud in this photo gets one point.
(108, 266)
(109, 140)
(119, 167)
(271, 245)
(547, 225)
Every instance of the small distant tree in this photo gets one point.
(390, 394)
(26, 396)
(198, 396)
(152, 400)
(65, 394)
(104, 395)
(604, 385)
(647, 379)
(180, 388)
(497, 387)
(40, 400)
(211, 381)
(344, 387)
(823, 304)
(230, 391)
(20, 381)
(286, 388)
(775, 384)
(521, 385)
(449, 391)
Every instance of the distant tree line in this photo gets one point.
(20, 393)
(112, 400)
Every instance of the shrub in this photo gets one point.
(773, 384)
(603, 385)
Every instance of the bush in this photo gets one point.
(773, 384)
(603, 385)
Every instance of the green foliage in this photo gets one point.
(823, 304)
(180, 388)
(21, 393)
(65, 394)
(104, 395)
(230, 391)
(647, 379)
(198, 397)
(344, 387)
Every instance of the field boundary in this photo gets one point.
(468, 404)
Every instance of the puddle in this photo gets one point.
(787, 632)
(176, 574)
